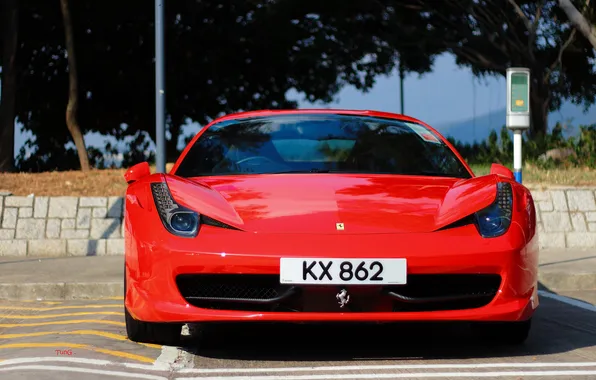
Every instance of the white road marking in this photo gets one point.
(98, 362)
(173, 358)
(417, 375)
(567, 300)
(129, 375)
(167, 358)
(388, 367)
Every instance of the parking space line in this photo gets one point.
(129, 375)
(65, 322)
(76, 332)
(411, 375)
(25, 308)
(11, 316)
(55, 345)
(554, 367)
(62, 359)
(390, 367)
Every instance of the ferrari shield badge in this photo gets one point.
(343, 298)
(339, 226)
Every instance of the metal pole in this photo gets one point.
(518, 112)
(401, 86)
(517, 155)
(160, 128)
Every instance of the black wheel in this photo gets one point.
(167, 334)
(512, 333)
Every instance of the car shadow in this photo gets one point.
(556, 328)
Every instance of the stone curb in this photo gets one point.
(552, 281)
(565, 281)
(61, 291)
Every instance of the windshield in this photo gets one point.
(325, 143)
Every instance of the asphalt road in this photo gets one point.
(86, 340)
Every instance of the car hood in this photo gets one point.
(334, 203)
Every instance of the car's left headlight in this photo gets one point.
(177, 219)
(494, 220)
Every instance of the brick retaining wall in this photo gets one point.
(80, 226)
(566, 216)
(61, 226)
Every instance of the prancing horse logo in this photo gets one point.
(342, 297)
(339, 226)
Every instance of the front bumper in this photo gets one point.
(180, 280)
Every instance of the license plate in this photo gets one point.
(342, 271)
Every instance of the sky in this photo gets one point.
(445, 95)
(449, 98)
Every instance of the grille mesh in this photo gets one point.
(239, 287)
(265, 293)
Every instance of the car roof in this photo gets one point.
(259, 113)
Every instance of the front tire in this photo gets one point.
(510, 333)
(167, 334)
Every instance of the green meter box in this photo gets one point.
(520, 83)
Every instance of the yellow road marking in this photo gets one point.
(63, 345)
(76, 332)
(23, 308)
(44, 302)
(10, 316)
(119, 298)
(67, 322)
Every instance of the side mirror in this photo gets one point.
(501, 170)
(136, 172)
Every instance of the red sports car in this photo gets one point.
(326, 216)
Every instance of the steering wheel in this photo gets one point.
(256, 158)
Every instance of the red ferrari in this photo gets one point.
(326, 216)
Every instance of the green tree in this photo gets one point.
(8, 47)
(222, 57)
(73, 88)
(491, 35)
(579, 19)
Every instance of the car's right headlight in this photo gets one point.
(494, 220)
(177, 219)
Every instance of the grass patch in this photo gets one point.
(96, 183)
(535, 176)
(111, 182)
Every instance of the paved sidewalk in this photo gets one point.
(65, 278)
(567, 269)
(62, 278)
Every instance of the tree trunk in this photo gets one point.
(579, 21)
(73, 90)
(539, 109)
(9, 85)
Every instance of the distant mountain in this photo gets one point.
(478, 129)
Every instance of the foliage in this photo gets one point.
(233, 55)
(221, 57)
(488, 36)
(500, 150)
